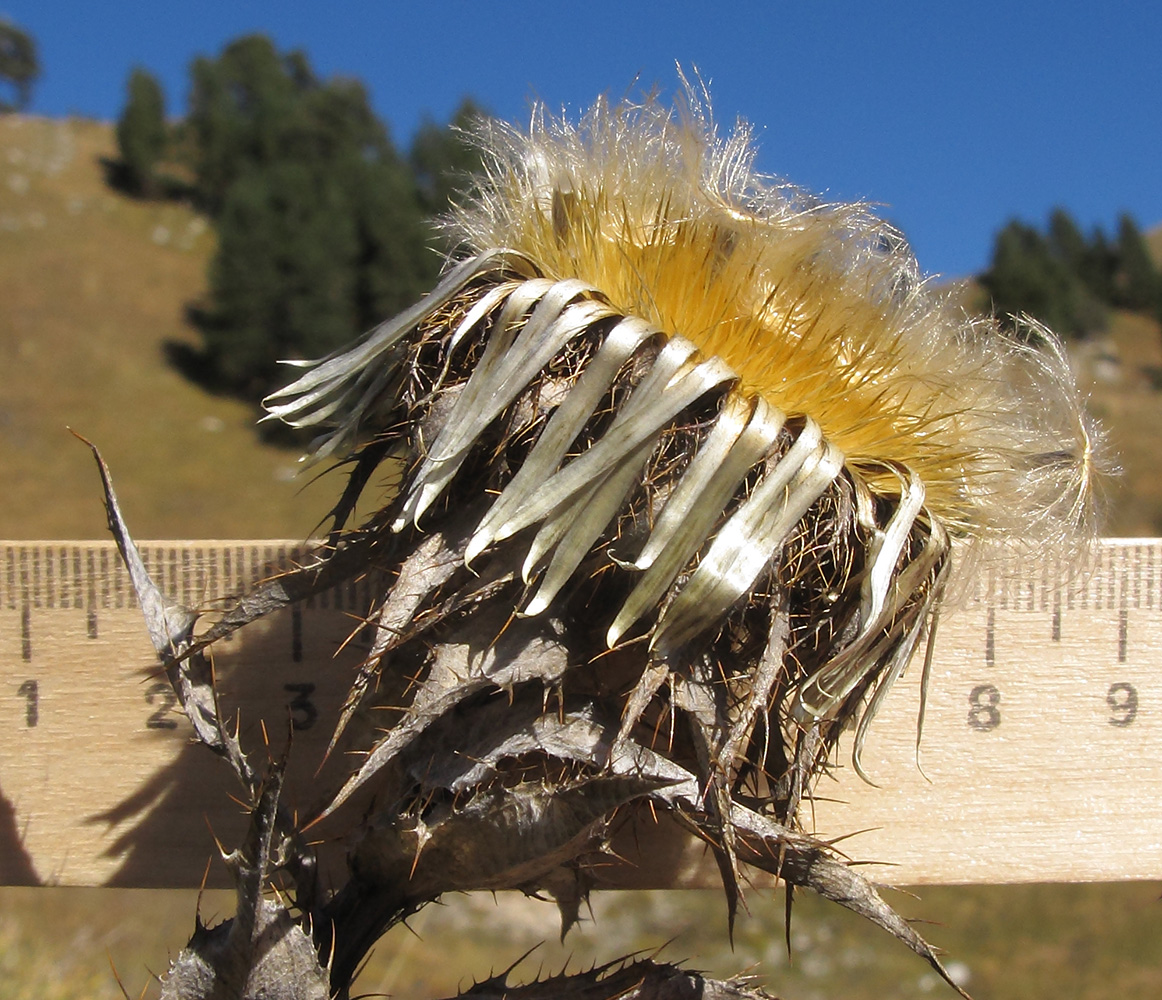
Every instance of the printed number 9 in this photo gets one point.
(984, 714)
(1122, 699)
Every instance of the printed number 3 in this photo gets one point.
(303, 710)
(983, 714)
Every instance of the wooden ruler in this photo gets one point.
(1042, 743)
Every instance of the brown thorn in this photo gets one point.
(222, 852)
(120, 985)
(202, 889)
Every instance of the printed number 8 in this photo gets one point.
(984, 714)
(1122, 699)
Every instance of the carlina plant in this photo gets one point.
(685, 454)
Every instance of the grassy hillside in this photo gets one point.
(92, 286)
(1154, 239)
(1123, 373)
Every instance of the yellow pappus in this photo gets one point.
(730, 415)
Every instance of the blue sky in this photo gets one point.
(953, 117)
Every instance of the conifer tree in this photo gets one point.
(320, 231)
(283, 278)
(1026, 276)
(1066, 241)
(19, 66)
(142, 133)
(243, 111)
(1137, 284)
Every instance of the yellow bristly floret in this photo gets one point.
(817, 307)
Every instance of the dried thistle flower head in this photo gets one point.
(728, 391)
(703, 438)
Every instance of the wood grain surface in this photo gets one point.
(1041, 754)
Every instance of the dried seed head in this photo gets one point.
(730, 416)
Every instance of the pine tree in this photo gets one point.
(243, 111)
(1137, 283)
(1026, 276)
(1066, 241)
(283, 280)
(142, 133)
(19, 66)
(1084, 290)
(320, 230)
(1099, 265)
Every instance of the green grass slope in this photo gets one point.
(92, 286)
(1122, 371)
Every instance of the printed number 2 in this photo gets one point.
(983, 714)
(160, 719)
(1122, 699)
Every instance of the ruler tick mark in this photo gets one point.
(26, 633)
(78, 579)
(1123, 634)
(10, 561)
(91, 579)
(990, 639)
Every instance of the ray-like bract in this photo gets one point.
(648, 412)
(742, 436)
(342, 389)
(743, 549)
(575, 411)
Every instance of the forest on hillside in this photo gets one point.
(323, 225)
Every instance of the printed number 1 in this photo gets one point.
(30, 690)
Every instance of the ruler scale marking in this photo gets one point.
(1046, 757)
